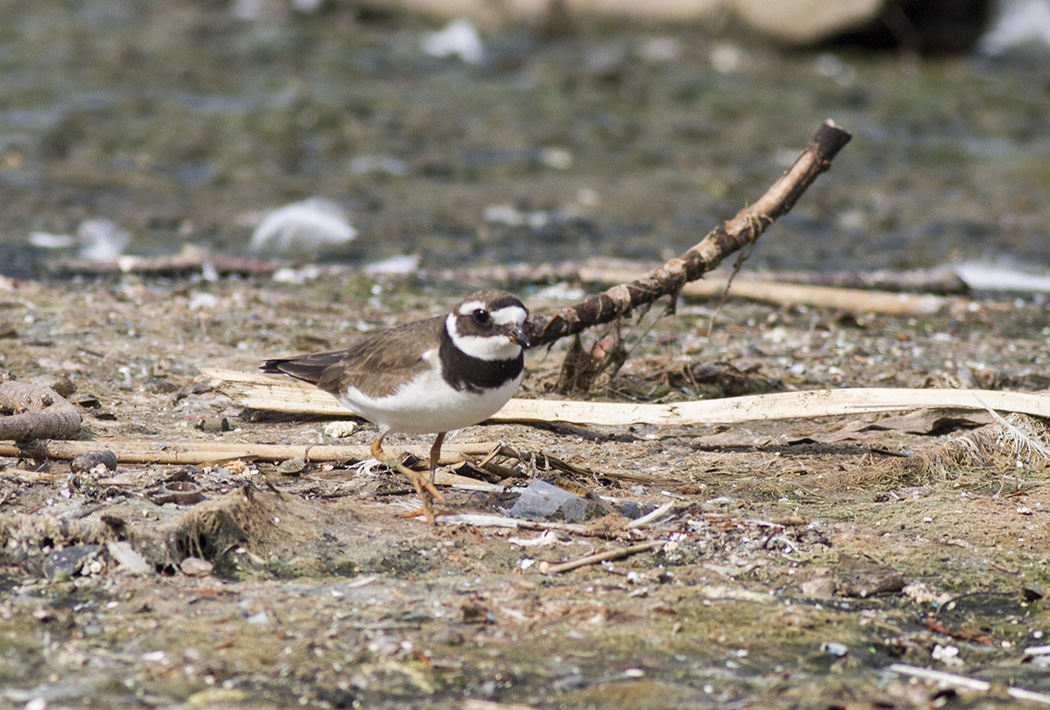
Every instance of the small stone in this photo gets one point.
(448, 637)
(125, 556)
(196, 567)
(292, 467)
(69, 561)
(217, 697)
(834, 648)
(160, 385)
(61, 384)
(1032, 594)
(213, 424)
(474, 612)
(200, 388)
(85, 463)
(340, 429)
(85, 400)
(259, 618)
(819, 588)
(948, 655)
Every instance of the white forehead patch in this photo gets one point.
(505, 315)
(468, 307)
(509, 315)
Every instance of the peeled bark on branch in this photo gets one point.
(668, 280)
(35, 413)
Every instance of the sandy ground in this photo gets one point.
(799, 559)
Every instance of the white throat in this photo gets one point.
(483, 347)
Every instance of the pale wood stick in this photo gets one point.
(261, 392)
(961, 681)
(650, 516)
(942, 281)
(474, 704)
(601, 557)
(486, 520)
(190, 259)
(190, 452)
(766, 407)
(257, 391)
(845, 299)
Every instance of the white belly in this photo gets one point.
(428, 405)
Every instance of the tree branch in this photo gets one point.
(36, 413)
(744, 229)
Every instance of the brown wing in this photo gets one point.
(375, 366)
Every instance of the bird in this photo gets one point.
(427, 376)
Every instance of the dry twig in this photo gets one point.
(602, 557)
(191, 452)
(735, 234)
(190, 260)
(960, 681)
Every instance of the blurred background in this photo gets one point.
(449, 134)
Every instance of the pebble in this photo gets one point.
(259, 618)
(67, 562)
(61, 384)
(84, 463)
(834, 648)
(340, 429)
(292, 466)
(196, 567)
(819, 588)
(213, 424)
(86, 401)
(128, 559)
(448, 637)
(459, 39)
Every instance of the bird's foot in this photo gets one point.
(428, 493)
(424, 486)
(425, 511)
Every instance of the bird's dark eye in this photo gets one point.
(482, 317)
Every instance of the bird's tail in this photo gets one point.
(308, 368)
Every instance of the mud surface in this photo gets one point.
(802, 557)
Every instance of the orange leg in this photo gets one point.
(435, 454)
(424, 486)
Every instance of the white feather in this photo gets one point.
(427, 404)
(487, 347)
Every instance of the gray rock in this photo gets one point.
(67, 562)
